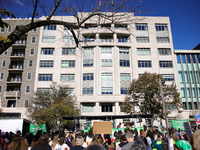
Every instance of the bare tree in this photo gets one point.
(107, 12)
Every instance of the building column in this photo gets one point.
(97, 108)
(117, 110)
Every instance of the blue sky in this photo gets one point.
(184, 17)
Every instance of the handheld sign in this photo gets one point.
(104, 127)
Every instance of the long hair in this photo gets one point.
(55, 141)
(42, 142)
(61, 140)
(19, 143)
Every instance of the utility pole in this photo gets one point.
(164, 109)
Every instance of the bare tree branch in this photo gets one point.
(54, 9)
(35, 7)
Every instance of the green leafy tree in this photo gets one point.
(48, 105)
(145, 96)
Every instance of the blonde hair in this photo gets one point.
(195, 140)
(55, 141)
(19, 143)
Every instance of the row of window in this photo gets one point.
(195, 58)
(190, 92)
(9, 28)
(124, 50)
(13, 103)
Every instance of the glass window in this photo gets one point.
(9, 28)
(47, 51)
(28, 89)
(183, 58)
(2, 75)
(124, 90)
(193, 92)
(5, 52)
(198, 58)
(48, 39)
(33, 39)
(125, 77)
(68, 38)
(165, 64)
(30, 63)
(186, 77)
(46, 63)
(88, 107)
(141, 26)
(188, 58)
(168, 77)
(28, 76)
(106, 90)
(26, 103)
(89, 39)
(182, 92)
(88, 76)
(191, 77)
(106, 62)
(190, 105)
(188, 93)
(68, 63)
(50, 27)
(45, 77)
(106, 107)
(180, 76)
(67, 77)
(142, 39)
(88, 91)
(35, 29)
(32, 51)
(164, 51)
(184, 105)
(162, 39)
(193, 58)
(121, 26)
(3, 63)
(195, 105)
(68, 51)
(106, 49)
(0, 88)
(144, 64)
(178, 58)
(88, 63)
(196, 76)
(124, 50)
(106, 76)
(143, 51)
(2, 29)
(123, 39)
(161, 27)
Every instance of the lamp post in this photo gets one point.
(58, 124)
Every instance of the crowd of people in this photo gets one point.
(127, 139)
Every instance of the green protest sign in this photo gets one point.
(178, 124)
(33, 128)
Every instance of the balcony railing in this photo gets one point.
(12, 94)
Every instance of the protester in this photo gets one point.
(42, 143)
(95, 147)
(123, 141)
(79, 143)
(138, 145)
(195, 140)
(130, 138)
(157, 143)
(54, 142)
(61, 144)
(89, 137)
(182, 145)
(149, 139)
(19, 143)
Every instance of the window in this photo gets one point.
(88, 76)
(186, 77)
(88, 91)
(106, 76)
(193, 93)
(124, 56)
(188, 58)
(9, 28)
(0, 88)
(50, 27)
(188, 93)
(88, 58)
(68, 51)
(162, 39)
(67, 63)
(161, 27)
(21, 42)
(143, 51)
(106, 49)
(88, 107)
(178, 58)
(28, 76)
(144, 64)
(125, 77)
(165, 64)
(2, 29)
(193, 58)
(47, 51)
(184, 105)
(142, 39)
(33, 40)
(106, 79)
(48, 39)
(89, 39)
(106, 62)
(124, 90)
(106, 39)
(46, 63)
(89, 50)
(45, 77)
(1, 76)
(123, 39)
(5, 52)
(121, 26)
(35, 29)
(106, 107)
(106, 90)
(11, 103)
(68, 38)
(190, 105)
(3, 63)
(141, 26)
(195, 105)
(168, 77)
(182, 92)
(180, 76)
(28, 89)
(71, 91)
(67, 77)
(164, 51)
(32, 50)
(26, 103)
(198, 58)
(183, 58)
(30, 64)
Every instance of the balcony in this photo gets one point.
(18, 55)
(15, 94)
(14, 80)
(14, 67)
(21, 42)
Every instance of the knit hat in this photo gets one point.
(183, 144)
